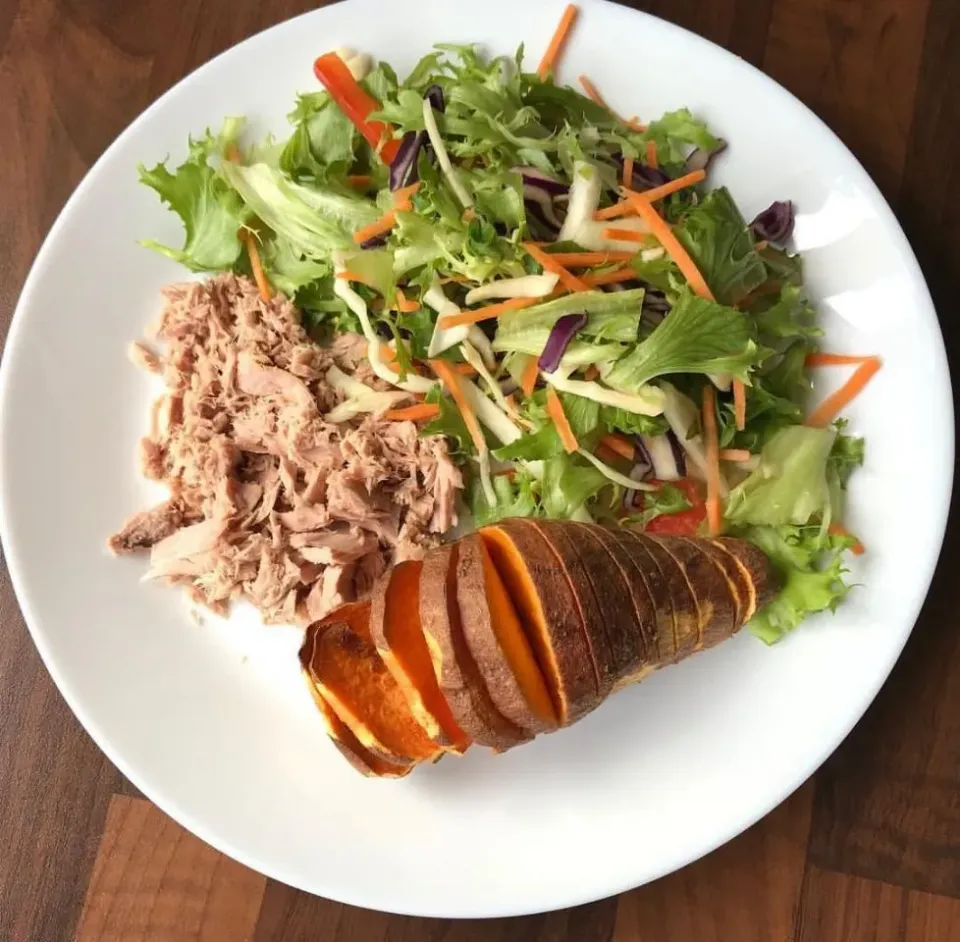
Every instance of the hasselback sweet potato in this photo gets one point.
(459, 678)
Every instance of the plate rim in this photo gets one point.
(172, 807)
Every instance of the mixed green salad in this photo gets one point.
(600, 333)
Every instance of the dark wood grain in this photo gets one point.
(883, 858)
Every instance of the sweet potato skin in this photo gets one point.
(395, 610)
(731, 572)
(567, 664)
(457, 673)
(474, 596)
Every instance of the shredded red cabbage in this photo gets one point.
(403, 170)
(775, 223)
(563, 332)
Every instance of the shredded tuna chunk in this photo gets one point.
(269, 500)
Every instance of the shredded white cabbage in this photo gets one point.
(490, 414)
(360, 397)
(584, 200)
(590, 234)
(443, 158)
(526, 286)
(682, 414)
(472, 357)
(647, 402)
(359, 63)
(614, 475)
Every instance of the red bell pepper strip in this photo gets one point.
(356, 104)
(683, 522)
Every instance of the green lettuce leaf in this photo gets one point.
(666, 500)
(811, 565)
(516, 498)
(790, 485)
(697, 336)
(846, 455)
(568, 483)
(211, 211)
(450, 423)
(720, 243)
(677, 133)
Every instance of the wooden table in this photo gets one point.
(867, 850)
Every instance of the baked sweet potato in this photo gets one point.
(398, 636)
(762, 581)
(727, 566)
(498, 643)
(458, 676)
(549, 612)
(351, 677)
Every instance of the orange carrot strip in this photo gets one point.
(834, 359)
(831, 407)
(635, 124)
(628, 171)
(452, 382)
(463, 369)
(559, 419)
(610, 277)
(485, 313)
(359, 180)
(740, 403)
(712, 448)
(355, 276)
(405, 305)
(734, 454)
(402, 197)
(378, 228)
(670, 242)
(760, 246)
(589, 259)
(557, 42)
(266, 292)
(623, 208)
(591, 373)
(417, 413)
(665, 189)
(592, 92)
(528, 380)
(509, 473)
(858, 549)
(619, 445)
(652, 160)
(625, 235)
(569, 281)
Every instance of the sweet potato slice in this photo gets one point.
(340, 735)
(610, 584)
(731, 572)
(354, 681)
(592, 609)
(498, 643)
(456, 671)
(666, 574)
(709, 584)
(548, 610)
(399, 639)
(762, 581)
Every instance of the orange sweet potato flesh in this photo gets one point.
(399, 639)
(457, 673)
(498, 643)
(548, 610)
(352, 678)
(340, 734)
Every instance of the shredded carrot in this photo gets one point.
(623, 208)
(359, 180)
(858, 549)
(417, 413)
(405, 305)
(740, 403)
(665, 189)
(557, 42)
(233, 154)
(619, 445)
(610, 277)
(528, 380)
(355, 276)
(712, 448)
(635, 124)
(834, 359)
(589, 259)
(760, 246)
(511, 400)
(652, 160)
(485, 313)
(403, 196)
(463, 369)
(559, 419)
(734, 454)
(509, 473)
(547, 263)
(452, 382)
(266, 292)
(628, 171)
(378, 228)
(625, 235)
(592, 92)
(831, 407)
(605, 453)
(591, 373)
(670, 242)
(469, 214)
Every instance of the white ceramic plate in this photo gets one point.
(213, 723)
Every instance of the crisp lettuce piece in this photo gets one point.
(789, 318)
(811, 564)
(516, 498)
(697, 336)
(317, 220)
(667, 499)
(719, 241)
(568, 483)
(610, 316)
(289, 270)
(211, 211)
(450, 423)
(677, 133)
(323, 141)
(790, 485)
(846, 455)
